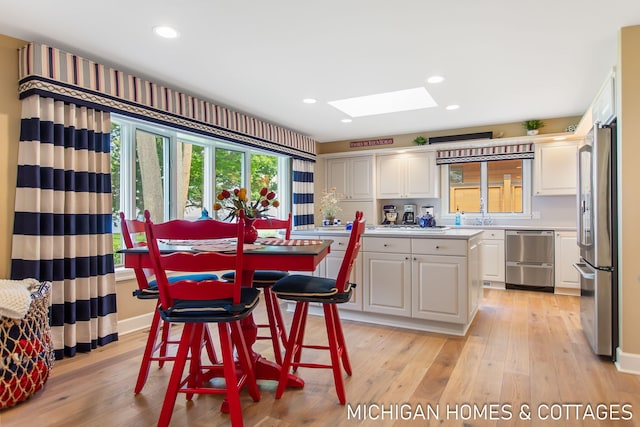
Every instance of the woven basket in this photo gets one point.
(26, 350)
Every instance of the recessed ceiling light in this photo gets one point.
(309, 101)
(452, 107)
(388, 102)
(435, 79)
(166, 32)
(346, 120)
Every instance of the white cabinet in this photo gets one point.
(604, 106)
(567, 253)
(387, 276)
(439, 280)
(555, 168)
(407, 175)
(333, 262)
(492, 255)
(351, 176)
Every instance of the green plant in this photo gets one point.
(533, 124)
(420, 140)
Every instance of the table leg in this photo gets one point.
(264, 369)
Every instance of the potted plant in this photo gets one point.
(420, 140)
(532, 126)
(329, 205)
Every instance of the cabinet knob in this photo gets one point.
(340, 244)
(385, 245)
(437, 247)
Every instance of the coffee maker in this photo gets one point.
(389, 214)
(409, 215)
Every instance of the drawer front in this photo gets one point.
(439, 247)
(493, 235)
(339, 243)
(386, 244)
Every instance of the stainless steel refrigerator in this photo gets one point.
(597, 238)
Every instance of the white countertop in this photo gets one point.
(414, 232)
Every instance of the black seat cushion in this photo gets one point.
(261, 278)
(221, 310)
(152, 291)
(298, 287)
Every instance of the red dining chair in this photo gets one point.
(196, 303)
(265, 279)
(304, 289)
(156, 348)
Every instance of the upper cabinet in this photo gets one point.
(409, 175)
(604, 106)
(351, 176)
(555, 168)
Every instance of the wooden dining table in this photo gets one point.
(292, 255)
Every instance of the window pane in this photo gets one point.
(149, 179)
(264, 173)
(190, 166)
(504, 190)
(116, 206)
(464, 187)
(228, 172)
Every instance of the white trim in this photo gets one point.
(627, 362)
(133, 324)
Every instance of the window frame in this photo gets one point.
(129, 126)
(527, 183)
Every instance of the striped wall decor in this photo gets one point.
(302, 194)
(48, 71)
(62, 223)
(480, 154)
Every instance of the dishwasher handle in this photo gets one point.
(584, 271)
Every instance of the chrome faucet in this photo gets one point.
(483, 220)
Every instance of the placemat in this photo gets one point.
(292, 242)
(223, 247)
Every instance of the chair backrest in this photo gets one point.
(274, 224)
(353, 248)
(131, 229)
(180, 229)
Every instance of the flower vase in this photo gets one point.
(330, 220)
(250, 232)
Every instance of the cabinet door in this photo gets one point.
(474, 276)
(333, 261)
(388, 283)
(493, 260)
(337, 175)
(421, 177)
(390, 177)
(361, 176)
(439, 286)
(567, 253)
(556, 168)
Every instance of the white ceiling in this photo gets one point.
(503, 60)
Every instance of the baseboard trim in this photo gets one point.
(133, 324)
(627, 362)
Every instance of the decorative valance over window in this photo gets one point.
(51, 72)
(485, 154)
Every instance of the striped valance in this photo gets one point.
(485, 154)
(48, 71)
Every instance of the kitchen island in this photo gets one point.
(416, 278)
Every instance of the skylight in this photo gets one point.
(383, 103)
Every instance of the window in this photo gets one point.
(177, 174)
(502, 186)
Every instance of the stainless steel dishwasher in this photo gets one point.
(529, 259)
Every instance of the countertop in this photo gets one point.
(414, 232)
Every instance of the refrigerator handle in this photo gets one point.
(584, 272)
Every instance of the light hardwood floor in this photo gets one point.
(523, 348)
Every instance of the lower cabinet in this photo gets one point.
(332, 264)
(387, 278)
(492, 255)
(567, 280)
(439, 288)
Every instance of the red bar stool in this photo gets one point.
(196, 303)
(329, 292)
(156, 347)
(265, 279)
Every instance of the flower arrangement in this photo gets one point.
(329, 203)
(234, 201)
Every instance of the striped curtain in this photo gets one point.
(62, 227)
(485, 154)
(302, 194)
